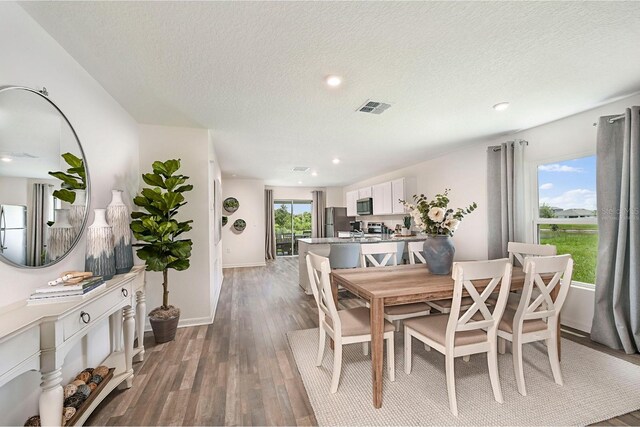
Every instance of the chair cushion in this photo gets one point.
(512, 300)
(506, 323)
(446, 303)
(357, 321)
(399, 310)
(435, 327)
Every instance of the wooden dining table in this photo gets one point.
(396, 285)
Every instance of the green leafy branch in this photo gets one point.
(75, 178)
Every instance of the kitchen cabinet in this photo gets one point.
(364, 193)
(352, 203)
(397, 193)
(382, 202)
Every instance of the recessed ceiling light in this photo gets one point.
(336, 161)
(299, 182)
(501, 106)
(233, 175)
(6, 159)
(314, 173)
(333, 81)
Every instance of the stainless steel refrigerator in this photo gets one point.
(13, 233)
(336, 219)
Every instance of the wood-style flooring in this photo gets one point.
(240, 370)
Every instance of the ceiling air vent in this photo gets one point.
(374, 107)
(301, 169)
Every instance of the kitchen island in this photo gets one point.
(322, 246)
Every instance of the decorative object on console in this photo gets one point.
(118, 219)
(157, 231)
(239, 225)
(437, 220)
(100, 258)
(231, 204)
(65, 293)
(77, 210)
(61, 235)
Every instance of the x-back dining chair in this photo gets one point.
(343, 326)
(387, 252)
(462, 333)
(536, 318)
(393, 313)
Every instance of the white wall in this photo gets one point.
(215, 213)
(335, 197)
(30, 57)
(244, 249)
(294, 193)
(190, 290)
(464, 171)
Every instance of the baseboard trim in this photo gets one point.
(187, 323)
(581, 326)
(248, 264)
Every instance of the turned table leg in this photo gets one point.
(51, 398)
(141, 311)
(129, 325)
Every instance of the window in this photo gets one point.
(292, 222)
(567, 215)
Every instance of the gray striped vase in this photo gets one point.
(100, 258)
(61, 235)
(118, 219)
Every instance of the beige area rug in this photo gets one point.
(596, 387)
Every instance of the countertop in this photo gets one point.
(366, 239)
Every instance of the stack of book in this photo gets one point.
(66, 292)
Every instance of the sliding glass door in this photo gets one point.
(293, 221)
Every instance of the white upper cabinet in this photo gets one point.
(364, 193)
(382, 203)
(352, 203)
(398, 193)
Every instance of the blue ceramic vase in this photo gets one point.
(438, 254)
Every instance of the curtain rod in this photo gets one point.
(613, 119)
(498, 147)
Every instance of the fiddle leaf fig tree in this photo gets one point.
(155, 225)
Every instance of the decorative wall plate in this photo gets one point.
(239, 224)
(231, 204)
(225, 219)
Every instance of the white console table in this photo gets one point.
(38, 337)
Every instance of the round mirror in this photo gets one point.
(44, 180)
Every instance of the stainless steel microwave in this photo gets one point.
(365, 206)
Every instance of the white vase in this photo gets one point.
(118, 219)
(100, 256)
(77, 210)
(61, 235)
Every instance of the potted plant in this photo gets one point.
(439, 222)
(157, 230)
(406, 230)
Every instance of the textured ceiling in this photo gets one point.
(253, 72)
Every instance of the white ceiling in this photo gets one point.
(253, 72)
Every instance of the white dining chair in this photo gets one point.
(344, 326)
(459, 333)
(415, 252)
(393, 313)
(387, 254)
(519, 251)
(536, 318)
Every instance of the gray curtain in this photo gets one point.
(505, 196)
(41, 205)
(317, 217)
(616, 320)
(270, 237)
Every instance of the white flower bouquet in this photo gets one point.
(435, 217)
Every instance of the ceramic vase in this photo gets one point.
(118, 219)
(100, 258)
(77, 210)
(438, 254)
(61, 235)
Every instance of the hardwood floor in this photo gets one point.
(240, 370)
